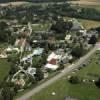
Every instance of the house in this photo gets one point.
(10, 49)
(38, 51)
(84, 32)
(28, 58)
(68, 38)
(28, 47)
(76, 25)
(3, 55)
(19, 78)
(31, 71)
(53, 60)
(53, 56)
(65, 59)
(51, 66)
(20, 82)
(21, 43)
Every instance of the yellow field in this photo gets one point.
(86, 23)
(90, 24)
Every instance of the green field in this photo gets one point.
(4, 68)
(92, 68)
(41, 26)
(82, 91)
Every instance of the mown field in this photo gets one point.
(4, 68)
(81, 91)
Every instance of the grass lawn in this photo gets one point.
(41, 27)
(83, 91)
(4, 68)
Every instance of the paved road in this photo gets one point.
(26, 96)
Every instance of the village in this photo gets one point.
(39, 42)
(37, 58)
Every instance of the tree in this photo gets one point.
(5, 32)
(74, 80)
(59, 27)
(16, 88)
(78, 51)
(13, 69)
(93, 40)
(31, 79)
(97, 83)
(39, 74)
(7, 93)
(13, 58)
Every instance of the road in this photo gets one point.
(70, 68)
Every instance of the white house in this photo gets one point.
(38, 51)
(51, 66)
(53, 60)
(67, 38)
(53, 56)
(31, 71)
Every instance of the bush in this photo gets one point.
(74, 80)
(97, 83)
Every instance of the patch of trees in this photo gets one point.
(4, 32)
(8, 91)
(93, 40)
(61, 27)
(97, 83)
(78, 51)
(39, 74)
(74, 80)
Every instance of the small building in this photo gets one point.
(76, 25)
(28, 58)
(3, 55)
(51, 66)
(21, 43)
(68, 37)
(20, 82)
(31, 71)
(38, 51)
(10, 49)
